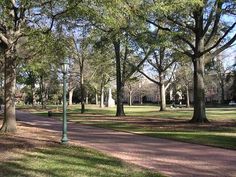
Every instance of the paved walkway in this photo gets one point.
(171, 158)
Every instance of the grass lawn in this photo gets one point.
(61, 161)
(172, 124)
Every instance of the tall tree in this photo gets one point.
(80, 54)
(163, 63)
(73, 80)
(203, 27)
(132, 87)
(11, 22)
(183, 78)
(219, 68)
(116, 33)
(17, 19)
(103, 69)
(232, 76)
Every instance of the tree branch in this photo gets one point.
(185, 52)
(156, 25)
(124, 65)
(171, 63)
(218, 10)
(210, 18)
(172, 74)
(149, 78)
(220, 39)
(186, 41)
(4, 39)
(181, 24)
(134, 68)
(153, 65)
(227, 45)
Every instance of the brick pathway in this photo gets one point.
(169, 157)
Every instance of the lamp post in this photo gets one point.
(64, 66)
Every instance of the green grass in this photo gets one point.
(153, 111)
(145, 111)
(172, 123)
(65, 161)
(219, 138)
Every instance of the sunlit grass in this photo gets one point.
(65, 161)
(145, 111)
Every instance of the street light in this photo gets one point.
(64, 68)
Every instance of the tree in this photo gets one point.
(218, 68)
(232, 76)
(73, 80)
(18, 21)
(116, 33)
(80, 54)
(183, 78)
(162, 62)
(132, 86)
(28, 78)
(103, 69)
(11, 23)
(202, 31)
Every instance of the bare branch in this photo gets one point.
(136, 68)
(171, 63)
(221, 39)
(218, 10)
(4, 39)
(156, 25)
(227, 45)
(186, 41)
(149, 78)
(153, 65)
(124, 65)
(13, 2)
(185, 52)
(172, 75)
(210, 18)
(181, 24)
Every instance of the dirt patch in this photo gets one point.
(25, 139)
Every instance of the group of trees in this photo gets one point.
(106, 40)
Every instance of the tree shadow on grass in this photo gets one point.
(9, 143)
(60, 161)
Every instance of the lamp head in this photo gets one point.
(65, 66)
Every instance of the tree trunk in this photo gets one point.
(171, 95)
(102, 97)
(130, 98)
(141, 99)
(187, 99)
(199, 114)
(222, 91)
(87, 99)
(96, 98)
(120, 98)
(162, 97)
(9, 122)
(42, 92)
(33, 94)
(71, 92)
(82, 92)
(45, 96)
(119, 83)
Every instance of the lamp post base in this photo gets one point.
(64, 140)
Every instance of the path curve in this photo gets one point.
(169, 157)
